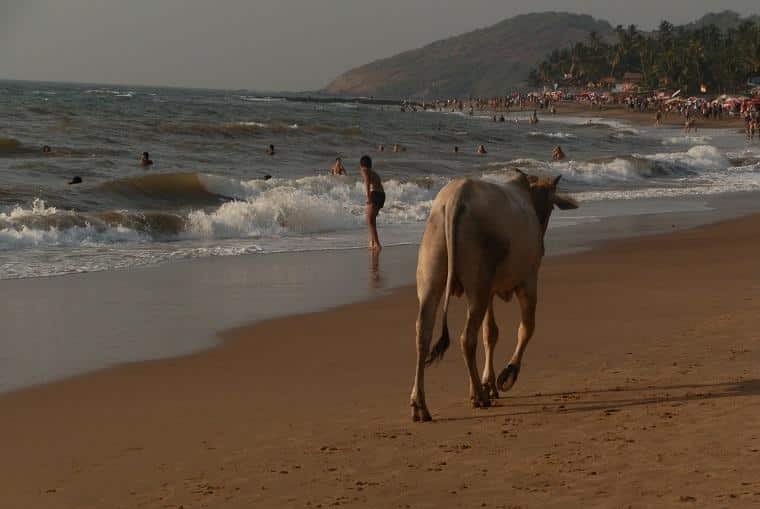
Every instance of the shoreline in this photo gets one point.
(621, 113)
(312, 408)
(176, 309)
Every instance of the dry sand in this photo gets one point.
(641, 388)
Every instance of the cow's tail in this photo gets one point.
(452, 212)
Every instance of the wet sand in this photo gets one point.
(641, 388)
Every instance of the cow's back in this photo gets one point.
(496, 227)
(506, 226)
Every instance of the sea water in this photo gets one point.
(206, 195)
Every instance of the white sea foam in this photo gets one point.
(11, 238)
(305, 205)
(252, 124)
(37, 208)
(108, 91)
(700, 157)
(255, 99)
(737, 179)
(14, 234)
(686, 140)
(277, 211)
(559, 135)
(632, 169)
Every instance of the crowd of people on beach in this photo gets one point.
(663, 105)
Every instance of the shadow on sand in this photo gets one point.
(570, 402)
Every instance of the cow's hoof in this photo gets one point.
(508, 377)
(420, 414)
(481, 401)
(490, 388)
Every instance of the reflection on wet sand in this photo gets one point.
(374, 269)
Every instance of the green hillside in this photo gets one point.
(480, 63)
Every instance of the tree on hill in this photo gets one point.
(685, 57)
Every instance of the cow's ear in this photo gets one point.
(565, 202)
(532, 179)
(555, 181)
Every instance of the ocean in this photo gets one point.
(206, 196)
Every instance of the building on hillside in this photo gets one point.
(629, 83)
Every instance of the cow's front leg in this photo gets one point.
(526, 295)
(490, 337)
(469, 343)
(425, 323)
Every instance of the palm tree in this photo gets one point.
(685, 57)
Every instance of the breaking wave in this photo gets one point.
(170, 188)
(208, 207)
(633, 169)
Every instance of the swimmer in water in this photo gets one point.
(337, 168)
(373, 187)
(270, 150)
(75, 180)
(381, 148)
(557, 154)
(47, 150)
(456, 149)
(145, 160)
(481, 150)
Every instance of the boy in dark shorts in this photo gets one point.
(373, 187)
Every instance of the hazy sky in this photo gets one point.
(263, 44)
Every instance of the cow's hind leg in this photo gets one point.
(490, 337)
(425, 322)
(476, 309)
(526, 295)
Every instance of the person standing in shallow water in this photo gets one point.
(373, 188)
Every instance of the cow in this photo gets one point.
(481, 240)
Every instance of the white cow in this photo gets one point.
(481, 240)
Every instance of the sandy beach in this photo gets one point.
(640, 389)
(622, 113)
